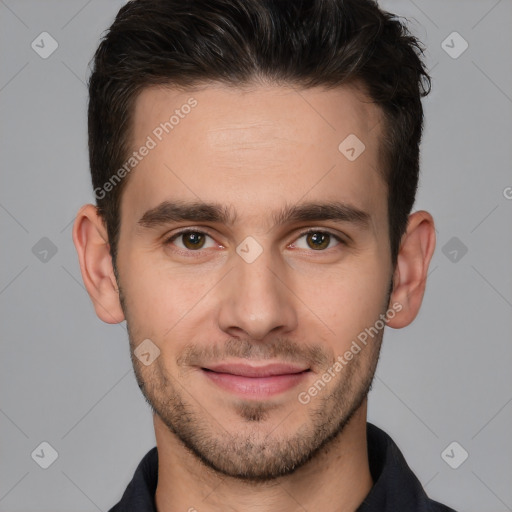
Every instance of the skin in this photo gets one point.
(256, 150)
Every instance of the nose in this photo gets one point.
(256, 298)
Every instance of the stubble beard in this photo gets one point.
(244, 451)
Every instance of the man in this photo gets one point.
(255, 165)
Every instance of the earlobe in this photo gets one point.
(91, 242)
(410, 276)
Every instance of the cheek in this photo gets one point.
(345, 302)
(161, 299)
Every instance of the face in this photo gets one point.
(252, 254)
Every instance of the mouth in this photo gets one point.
(256, 381)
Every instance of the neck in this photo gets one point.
(338, 478)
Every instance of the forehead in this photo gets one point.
(256, 145)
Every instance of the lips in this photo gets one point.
(245, 370)
(256, 381)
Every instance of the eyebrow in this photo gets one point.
(177, 211)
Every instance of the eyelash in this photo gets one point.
(189, 252)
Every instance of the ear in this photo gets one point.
(410, 275)
(91, 242)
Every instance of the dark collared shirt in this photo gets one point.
(395, 489)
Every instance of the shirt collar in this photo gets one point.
(395, 485)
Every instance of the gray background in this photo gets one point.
(66, 378)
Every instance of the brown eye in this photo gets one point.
(193, 240)
(318, 240)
